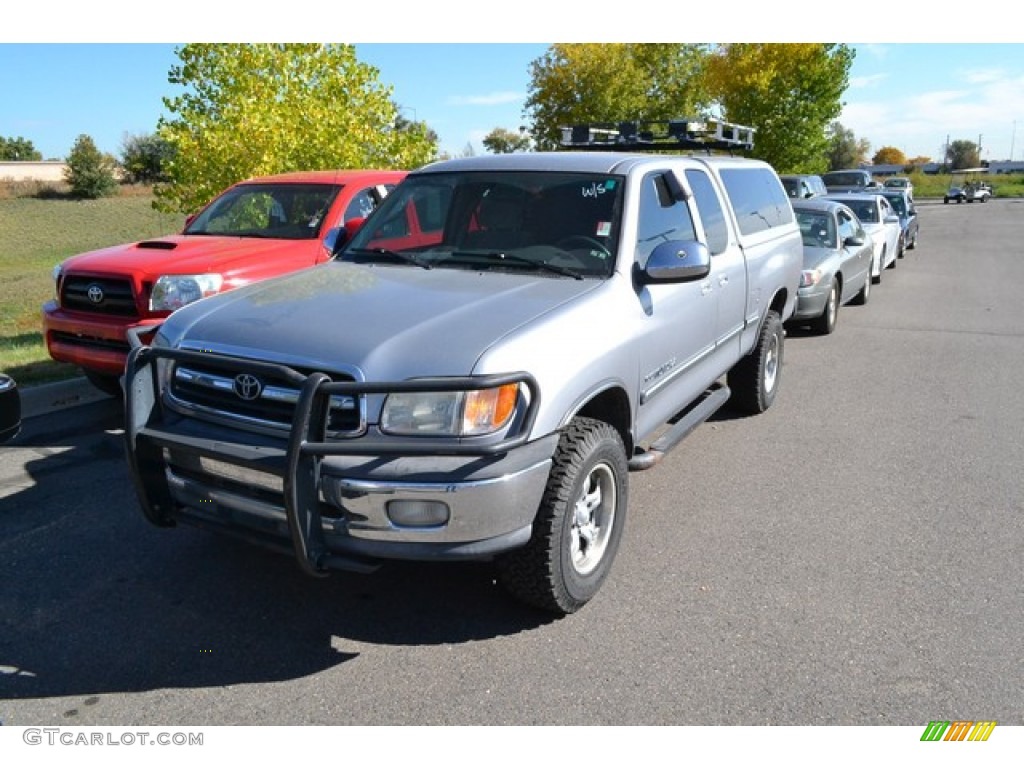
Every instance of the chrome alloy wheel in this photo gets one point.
(771, 364)
(593, 519)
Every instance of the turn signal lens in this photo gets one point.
(488, 410)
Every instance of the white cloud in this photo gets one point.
(982, 75)
(869, 81)
(921, 124)
(487, 99)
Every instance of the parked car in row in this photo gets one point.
(903, 205)
(850, 180)
(838, 254)
(256, 229)
(881, 222)
(899, 183)
(10, 408)
(803, 186)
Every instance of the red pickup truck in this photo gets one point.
(256, 229)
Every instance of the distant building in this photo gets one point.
(887, 169)
(1006, 166)
(32, 170)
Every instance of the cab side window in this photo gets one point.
(712, 215)
(661, 218)
(362, 205)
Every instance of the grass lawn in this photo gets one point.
(36, 235)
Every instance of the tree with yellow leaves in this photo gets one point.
(258, 109)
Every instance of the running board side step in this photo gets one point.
(712, 399)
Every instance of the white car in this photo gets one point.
(880, 221)
(900, 183)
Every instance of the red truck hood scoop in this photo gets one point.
(157, 245)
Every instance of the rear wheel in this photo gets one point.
(754, 380)
(579, 524)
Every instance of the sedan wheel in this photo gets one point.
(826, 322)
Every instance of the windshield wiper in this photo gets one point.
(503, 256)
(408, 258)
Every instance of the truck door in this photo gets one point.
(677, 336)
(728, 266)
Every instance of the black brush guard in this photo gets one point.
(147, 434)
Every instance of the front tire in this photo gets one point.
(579, 525)
(106, 383)
(825, 323)
(865, 293)
(754, 380)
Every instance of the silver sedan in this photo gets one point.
(838, 255)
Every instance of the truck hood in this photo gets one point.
(385, 323)
(178, 254)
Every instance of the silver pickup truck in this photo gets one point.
(478, 370)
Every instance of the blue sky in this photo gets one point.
(911, 96)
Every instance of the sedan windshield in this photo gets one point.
(281, 211)
(557, 224)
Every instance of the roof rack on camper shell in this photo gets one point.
(682, 133)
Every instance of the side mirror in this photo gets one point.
(854, 241)
(891, 219)
(676, 261)
(336, 237)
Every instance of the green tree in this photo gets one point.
(597, 82)
(963, 154)
(889, 156)
(18, 149)
(787, 92)
(143, 157)
(90, 173)
(502, 141)
(845, 150)
(257, 109)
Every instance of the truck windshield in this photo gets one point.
(559, 224)
(281, 211)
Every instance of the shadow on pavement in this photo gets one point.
(95, 599)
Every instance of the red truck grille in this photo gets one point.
(98, 294)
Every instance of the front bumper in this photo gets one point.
(810, 301)
(333, 504)
(97, 343)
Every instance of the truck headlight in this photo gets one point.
(171, 292)
(451, 414)
(57, 271)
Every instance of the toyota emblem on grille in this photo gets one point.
(247, 386)
(95, 293)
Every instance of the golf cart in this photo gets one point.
(966, 186)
